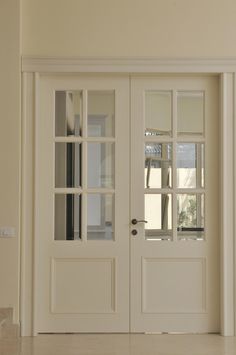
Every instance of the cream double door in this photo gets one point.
(127, 204)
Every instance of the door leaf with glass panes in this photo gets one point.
(174, 200)
(82, 202)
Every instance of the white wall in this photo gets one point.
(9, 151)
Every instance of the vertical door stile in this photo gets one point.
(36, 211)
(84, 164)
(174, 162)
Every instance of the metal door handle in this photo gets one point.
(136, 221)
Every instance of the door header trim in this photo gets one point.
(126, 65)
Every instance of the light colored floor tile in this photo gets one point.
(119, 344)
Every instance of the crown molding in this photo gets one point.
(127, 65)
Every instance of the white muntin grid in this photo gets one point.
(174, 138)
(84, 190)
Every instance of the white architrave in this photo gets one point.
(33, 67)
(27, 203)
(227, 204)
(127, 65)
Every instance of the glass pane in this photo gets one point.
(67, 217)
(190, 112)
(101, 165)
(158, 214)
(190, 165)
(158, 110)
(68, 113)
(101, 114)
(68, 164)
(100, 217)
(190, 218)
(158, 165)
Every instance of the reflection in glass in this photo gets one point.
(190, 112)
(101, 114)
(68, 113)
(190, 216)
(158, 165)
(158, 109)
(190, 165)
(101, 165)
(68, 164)
(67, 217)
(100, 217)
(158, 214)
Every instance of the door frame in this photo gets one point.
(33, 68)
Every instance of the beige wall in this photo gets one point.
(9, 151)
(165, 28)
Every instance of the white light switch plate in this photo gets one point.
(7, 232)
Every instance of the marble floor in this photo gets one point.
(119, 344)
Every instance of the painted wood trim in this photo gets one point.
(27, 204)
(69, 139)
(23, 311)
(84, 167)
(127, 65)
(227, 206)
(234, 194)
(36, 177)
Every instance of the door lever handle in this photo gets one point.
(136, 221)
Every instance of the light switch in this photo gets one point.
(7, 232)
